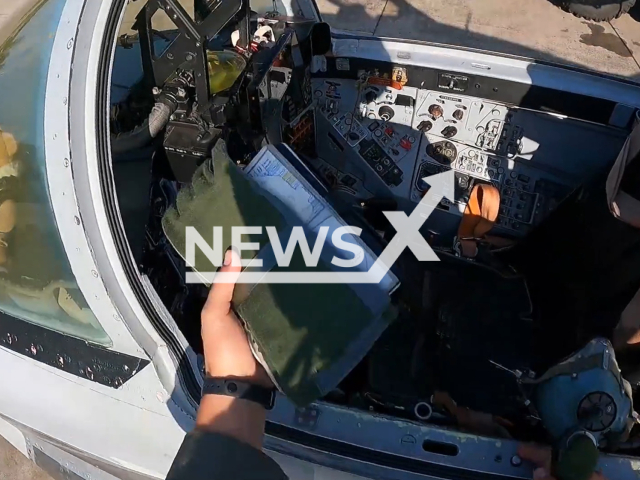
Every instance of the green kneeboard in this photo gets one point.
(308, 336)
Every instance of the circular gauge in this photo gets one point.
(443, 152)
(500, 170)
(472, 154)
(513, 174)
(480, 129)
(436, 111)
(386, 113)
(371, 116)
(318, 93)
(412, 139)
(449, 132)
(348, 120)
(425, 126)
(378, 133)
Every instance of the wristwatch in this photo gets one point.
(239, 389)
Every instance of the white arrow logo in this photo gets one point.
(407, 236)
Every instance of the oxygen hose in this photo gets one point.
(143, 134)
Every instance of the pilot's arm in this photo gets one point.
(227, 441)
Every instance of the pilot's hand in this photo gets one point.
(226, 348)
(541, 456)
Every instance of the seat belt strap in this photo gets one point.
(479, 216)
(623, 206)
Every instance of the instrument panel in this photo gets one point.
(471, 121)
(385, 140)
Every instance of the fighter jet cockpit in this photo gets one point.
(483, 200)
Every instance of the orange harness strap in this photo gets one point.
(479, 216)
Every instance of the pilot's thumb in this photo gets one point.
(221, 293)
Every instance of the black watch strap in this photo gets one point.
(240, 389)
